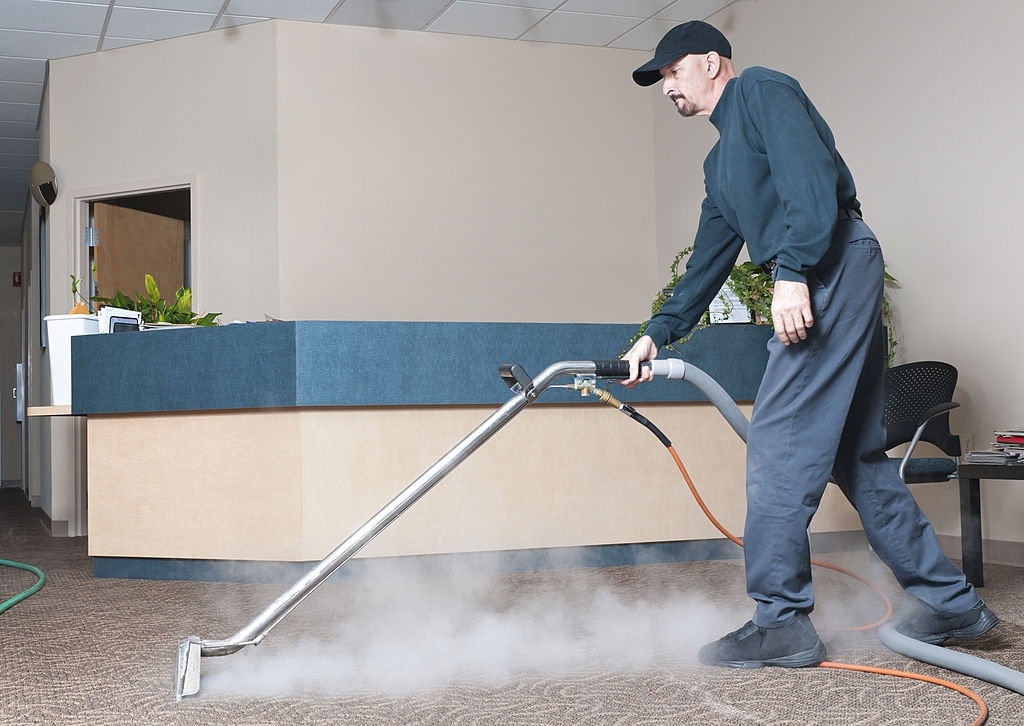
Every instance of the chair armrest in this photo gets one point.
(922, 422)
(935, 411)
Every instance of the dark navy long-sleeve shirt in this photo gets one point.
(773, 181)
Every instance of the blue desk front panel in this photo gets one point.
(361, 363)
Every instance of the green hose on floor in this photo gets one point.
(6, 605)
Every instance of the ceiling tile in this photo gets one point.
(112, 42)
(25, 44)
(397, 14)
(22, 70)
(56, 17)
(156, 24)
(540, 4)
(189, 6)
(15, 175)
(14, 196)
(22, 113)
(683, 10)
(18, 184)
(233, 21)
(310, 10)
(644, 36)
(630, 8)
(10, 130)
(16, 92)
(494, 21)
(16, 161)
(580, 28)
(28, 147)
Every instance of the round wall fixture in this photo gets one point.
(43, 183)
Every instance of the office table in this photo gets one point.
(970, 512)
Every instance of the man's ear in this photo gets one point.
(712, 63)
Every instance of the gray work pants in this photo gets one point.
(819, 412)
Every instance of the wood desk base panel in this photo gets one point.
(290, 484)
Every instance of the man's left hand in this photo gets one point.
(791, 311)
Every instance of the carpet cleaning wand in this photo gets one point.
(525, 391)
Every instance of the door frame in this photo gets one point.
(82, 198)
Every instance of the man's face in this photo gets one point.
(686, 82)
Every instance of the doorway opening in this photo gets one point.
(139, 234)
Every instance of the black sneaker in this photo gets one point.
(929, 626)
(794, 644)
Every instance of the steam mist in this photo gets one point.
(408, 633)
(415, 628)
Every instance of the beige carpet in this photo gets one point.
(571, 646)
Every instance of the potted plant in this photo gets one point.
(157, 311)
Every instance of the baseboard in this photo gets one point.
(994, 551)
(149, 568)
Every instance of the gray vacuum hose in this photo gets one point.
(676, 369)
(936, 655)
(952, 660)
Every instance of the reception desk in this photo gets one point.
(214, 449)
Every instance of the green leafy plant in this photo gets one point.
(889, 322)
(751, 284)
(81, 303)
(155, 309)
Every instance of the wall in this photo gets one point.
(441, 177)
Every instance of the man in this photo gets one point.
(775, 182)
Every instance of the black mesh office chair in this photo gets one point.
(918, 399)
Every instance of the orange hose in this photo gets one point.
(982, 716)
(982, 708)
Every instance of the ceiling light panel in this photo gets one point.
(22, 70)
(11, 130)
(156, 24)
(644, 36)
(18, 92)
(19, 113)
(538, 4)
(55, 17)
(23, 147)
(309, 10)
(187, 6)
(25, 44)
(397, 14)
(628, 8)
(581, 28)
(683, 10)
(233, 21)
(485, 19)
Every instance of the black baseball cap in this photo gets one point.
(695, 36)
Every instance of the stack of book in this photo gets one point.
(1010, 440)
(992, 456)
(1008, 448)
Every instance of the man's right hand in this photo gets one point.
(643, 350)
